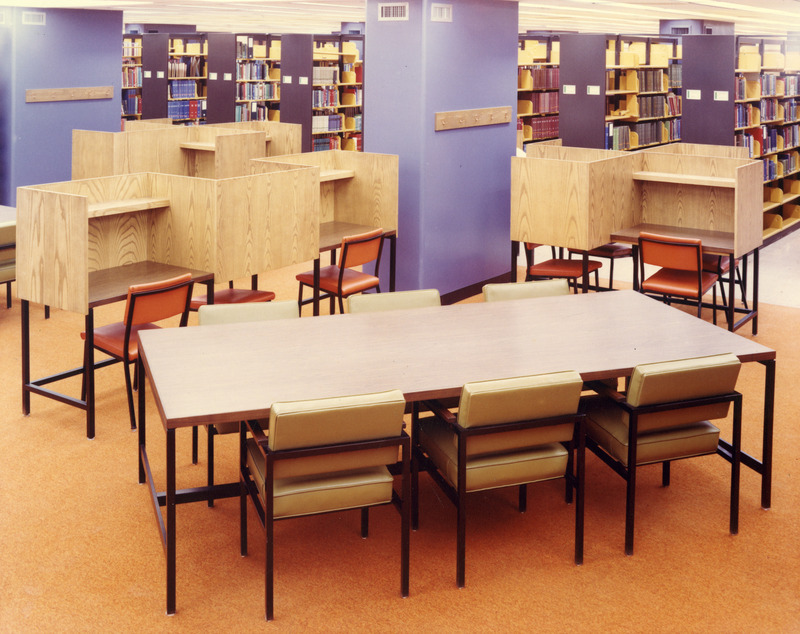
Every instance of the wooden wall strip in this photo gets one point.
(36, 95)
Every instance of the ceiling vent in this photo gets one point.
(441, 12)
(34, 18)
(393, 11)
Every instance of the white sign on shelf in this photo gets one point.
(286, 79)
(212, 77)
(720, 95)
(569, 89)
(694, 95)
(592, 90)
(303, 81)
(227, 76)
(159, 74)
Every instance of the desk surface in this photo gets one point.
(331, 233)
(234, 372)
(713, 241)
(107, 286)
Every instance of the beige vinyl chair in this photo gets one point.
(525, 290)
(508, 432)
(8, 256)
(666, 416)
(378, 302)
(323, 456)
(210, 314)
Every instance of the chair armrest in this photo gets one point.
(604, 390)
(258, 434)
(440, 411)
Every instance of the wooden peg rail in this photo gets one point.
(455, 119)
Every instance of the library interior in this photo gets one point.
(406, 258)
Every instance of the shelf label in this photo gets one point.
(720, 95)
(303, 81)
(569, 89)
(148, 74)
(592, 90)
(693, 95)
(287, 79)
(212, 77)
(159, 74)
(227, 76)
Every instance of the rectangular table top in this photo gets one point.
(331, 233)
(721, 242)
(107, 286)
(232, 372)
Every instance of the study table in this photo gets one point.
(106, 286)
(234, 372)
(717, 242)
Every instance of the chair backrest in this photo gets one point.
(684, 254)
(378, 302)
(361, 249)
(155, 301)
(209, 314)
(682, 380)
(525, 290)
(8, 238)
(334, 421)
(520, 398)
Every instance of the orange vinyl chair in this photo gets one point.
(681, 271)
(612, 251)
(232, 295)
(342, 281)
(147, 303)
(721, 265)
(558, 267)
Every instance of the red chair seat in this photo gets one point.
(233, 296)
(718, 264)
(111, 339)
(610, 250)
(559, 267)
(352, 281)
(674, 282)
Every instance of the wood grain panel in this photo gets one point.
(92, 154)
(36, 95)
(280, 138)
(549, 202)
(276, 224)
(118, 240)
(700, 149)
(748, 210)
(234, 153)
(52, 263)
(371, 196)
(613, 199)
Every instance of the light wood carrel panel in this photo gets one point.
(569, 153)
(281, 138)
(52, 239)
(699, 149)
(92, 154)
(234, 153)
(748, 207)
(277, 224)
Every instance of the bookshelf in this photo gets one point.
(322, 89)
(186, 78)
(619, 92)
(258, 77)
(537, 89)
(131, 86)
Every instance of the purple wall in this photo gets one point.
(454, 185)
(74, 48)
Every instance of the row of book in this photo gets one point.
(131, 76)
(769, 110)
(545, 78)
(252, 69)
(541, 128)
(649, 133)
(354, 72)
(792, 87)
(325, 97)
(249, 47)
(752, 141)
(652, 106)
(675, 75)
(186, 67)
(781, 165)
(651, 80)
(618, 137)
(131, 104)
(790, 111)
(544, 102)
(252, 112)
(257, 90)
(746, 114)
(186, 109)
(326, 123)
(319, 144)
(183, 89)
(352, 96)
(131, 48)
(325, 75)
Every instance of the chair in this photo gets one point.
(558, 267)
(232, 295)
(210, 314)
(379, 302)
(323, 456)
(664, 417)
(508, 432)
(147, 303)
(8, 256)
(342, 281)
(525, 290)
(681, 269)
(612, 251)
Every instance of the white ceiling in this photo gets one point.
(754, 17)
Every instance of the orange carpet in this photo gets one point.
(80, 550)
